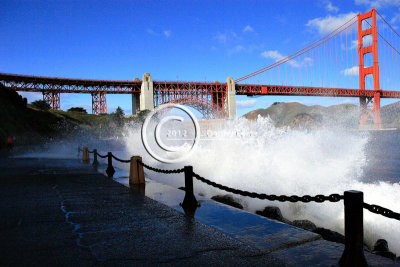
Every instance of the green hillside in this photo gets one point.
(28, 125)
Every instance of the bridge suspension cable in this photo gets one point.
(313, 45)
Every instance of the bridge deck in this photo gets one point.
(68, 85)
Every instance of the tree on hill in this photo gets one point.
(141, 116)
(77, 109)
(119, 116)
(119, 112)
(41, 104)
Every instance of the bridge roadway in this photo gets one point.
(30, 83)
(58, 212)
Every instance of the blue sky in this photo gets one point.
(185, 40)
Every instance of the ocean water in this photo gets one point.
(258, 157)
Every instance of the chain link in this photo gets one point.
(160, 170)
(382, 211)
(121, 160)
(91, 151)
(103, 157)
(281, 198)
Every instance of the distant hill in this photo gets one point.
(390, 115)
(296, 115)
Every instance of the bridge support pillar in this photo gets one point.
(53, 99)
(135, 103)
(231, 97)
(99, 102)
(146, 98)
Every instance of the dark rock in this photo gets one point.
(381, 245)
(381, 248)
(272, 212)
(228, 200)
(305, 224)
(330, 235)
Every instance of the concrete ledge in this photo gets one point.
(293, 245)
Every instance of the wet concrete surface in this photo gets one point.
(61, 212)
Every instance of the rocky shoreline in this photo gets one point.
(381, 246)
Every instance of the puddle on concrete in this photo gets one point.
(263, 233)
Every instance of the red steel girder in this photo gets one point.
(256, 89)
(53, 99)
(99, 102)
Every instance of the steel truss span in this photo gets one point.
(210, 99)
(29, 83)
(166, 91)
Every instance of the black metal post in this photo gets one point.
(95, 162)
(353, 254)
(189, 203)
(110, 169)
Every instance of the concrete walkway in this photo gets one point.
(61, 212)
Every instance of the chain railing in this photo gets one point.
(281, 198)
(101, 156)
(353, 254)
(161, 170)
(121, 160)
(382, 211)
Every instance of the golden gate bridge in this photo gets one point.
(344, 63)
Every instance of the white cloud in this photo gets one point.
(307, 61)
(275, 55)
(167, 33)
(221, 37)
(31, 96)
(395, 19)
(367, 41)
(351, 101)
(378, 3)
(226, 36)
(329, 7)
(353, 71)
(150, 31)
(248, 28)
(246, 103)
(236, 49)
(329, 23)
(354, 44)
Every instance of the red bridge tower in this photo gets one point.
(370, 106)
